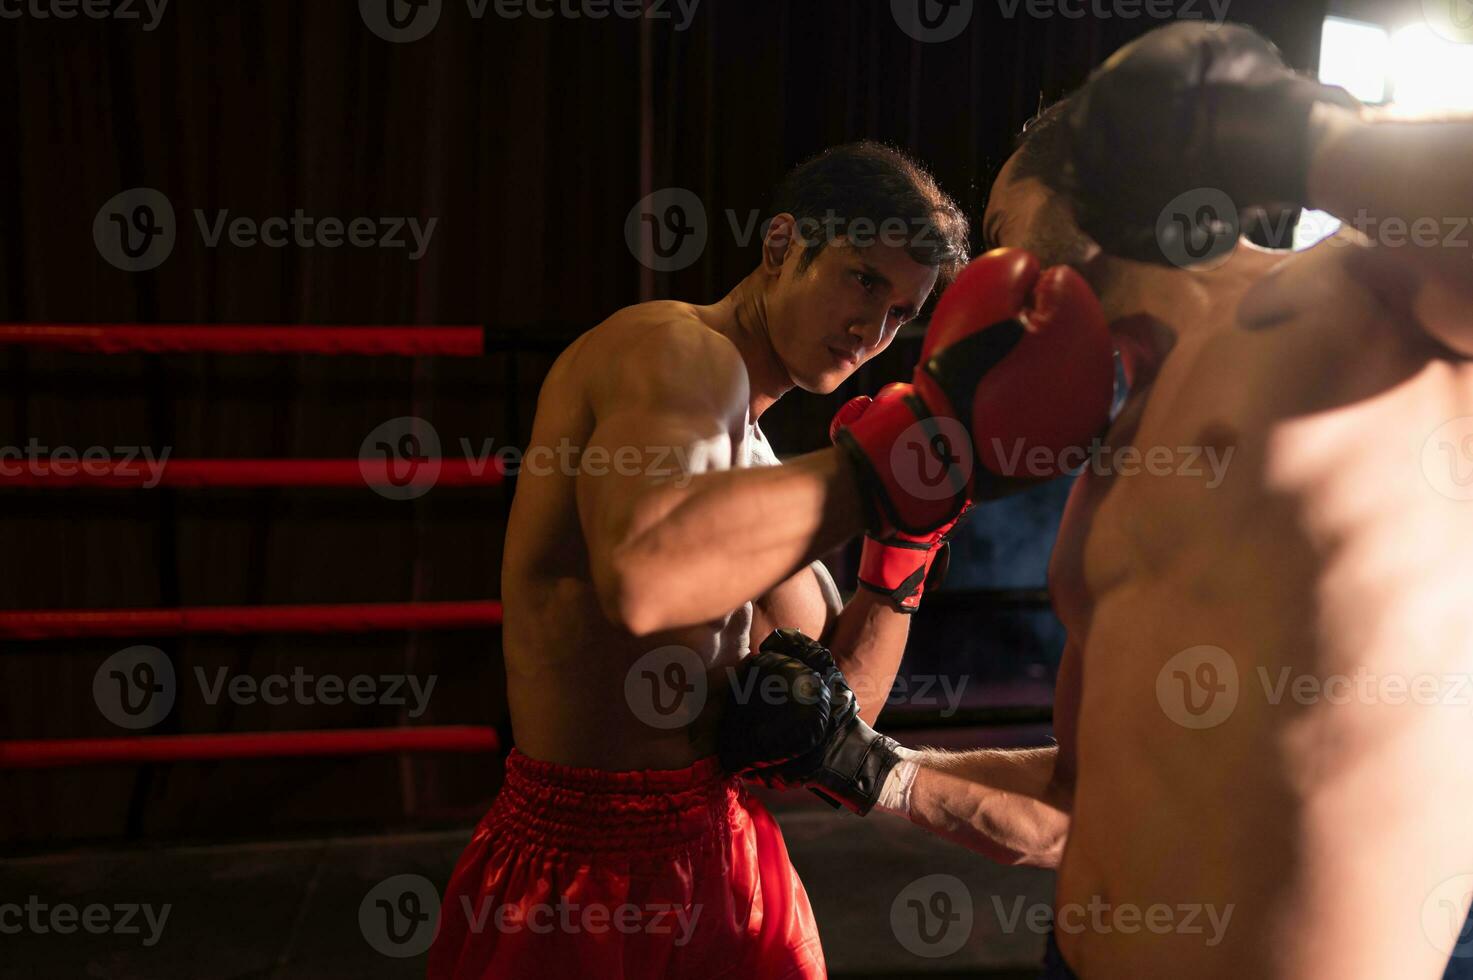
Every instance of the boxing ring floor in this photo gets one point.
(290, 910)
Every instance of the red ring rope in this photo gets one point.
(196, 473)
(234, 338)
(53, 752)
(356, 618)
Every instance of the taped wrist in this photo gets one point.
(895, 794)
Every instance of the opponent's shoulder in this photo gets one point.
(1318, 283)
(661, 350)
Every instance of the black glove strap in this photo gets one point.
(855, 767)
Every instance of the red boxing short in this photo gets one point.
(625, 876)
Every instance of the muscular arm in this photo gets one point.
(675, 535)
(1374, 168)
(867, 636)
(1012, 805)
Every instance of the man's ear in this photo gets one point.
(781, 235)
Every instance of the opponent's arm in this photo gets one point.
(680, 537)
(1369, 168)
(1012, 805)
(1190, 108)
(1005, 803)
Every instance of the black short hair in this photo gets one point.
(858, 190)
(1042, 148)
(1041, 152)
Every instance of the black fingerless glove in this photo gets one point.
(1188, 108)
(848, 765)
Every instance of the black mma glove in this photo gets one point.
(777, 709)
(1186, 108)
(846, 766)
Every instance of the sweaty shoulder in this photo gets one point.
(1319, 286)
(659, 353)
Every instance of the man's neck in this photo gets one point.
(741, 317)
(1150, 308)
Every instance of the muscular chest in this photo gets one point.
(1193, 482)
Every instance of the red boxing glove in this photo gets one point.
(898, 565)
(1017, 367)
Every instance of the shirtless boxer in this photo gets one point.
(602, 810)
(1328, 833)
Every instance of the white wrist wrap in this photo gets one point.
(895, 794)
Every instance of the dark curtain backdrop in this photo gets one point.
(529, 141)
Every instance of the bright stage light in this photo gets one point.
(1429, 72)
(1412, 70)
(1355, 55)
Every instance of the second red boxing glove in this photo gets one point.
(1017, 367)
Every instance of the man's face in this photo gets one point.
(1026, 214)
(845, 307)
